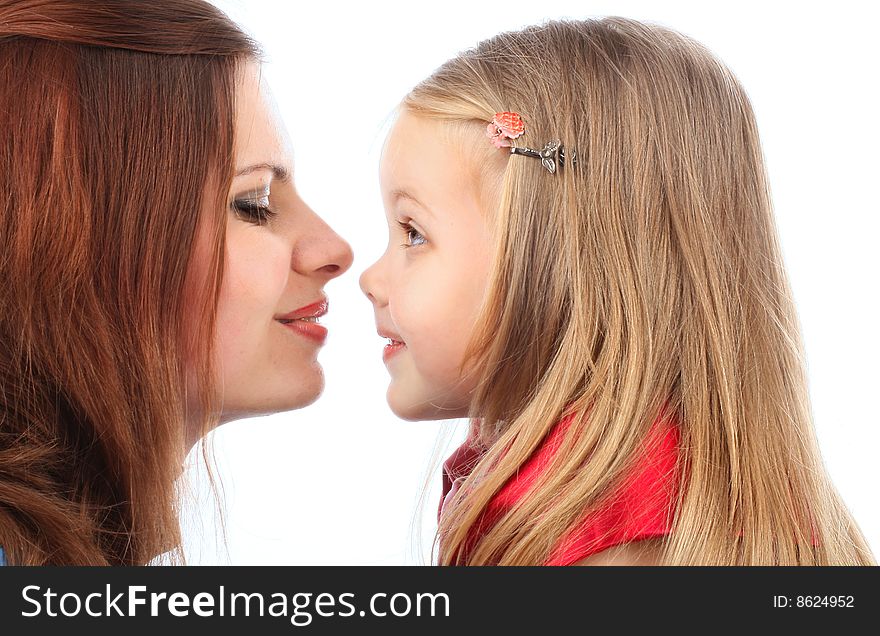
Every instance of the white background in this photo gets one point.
(339, 482)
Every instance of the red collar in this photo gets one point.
(640, 509)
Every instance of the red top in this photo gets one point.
(640, 509)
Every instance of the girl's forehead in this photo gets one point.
(432, 157)
(418, 156)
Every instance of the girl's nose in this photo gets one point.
(371, 283)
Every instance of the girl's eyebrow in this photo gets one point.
(400, 193)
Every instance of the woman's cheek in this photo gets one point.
(258, 268)
(253, 287)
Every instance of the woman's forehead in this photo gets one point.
(260, 135)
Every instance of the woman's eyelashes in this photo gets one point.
(253, 209)
(414, 238)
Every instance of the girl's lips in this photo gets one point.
(391, 349)
(311, 330)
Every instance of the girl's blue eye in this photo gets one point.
(253, 210)
(413, 236)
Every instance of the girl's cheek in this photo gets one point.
(436, 341)
(415, 311)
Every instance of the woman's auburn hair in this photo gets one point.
(118, 137)
(646, 276)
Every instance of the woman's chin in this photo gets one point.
(303, 396)
(299, 391)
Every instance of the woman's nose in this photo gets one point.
(325, 253)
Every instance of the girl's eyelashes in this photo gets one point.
(253, 209)
(413, 236)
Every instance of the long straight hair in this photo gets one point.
(117, 146)
(647, 276)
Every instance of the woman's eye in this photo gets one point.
(413, 236)
(253, 210)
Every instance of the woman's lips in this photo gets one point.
(304, 321)
(391, 349)
(311, 330)
(315, 310)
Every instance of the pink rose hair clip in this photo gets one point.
(505, 127)
(508, 126)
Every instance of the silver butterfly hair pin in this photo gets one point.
(551, 154)
(508, 126)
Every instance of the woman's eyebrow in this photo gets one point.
(279, 172)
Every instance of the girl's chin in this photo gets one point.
(414, 410)
(402, 405)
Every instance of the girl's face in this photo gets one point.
(279, 256)
(428, 286)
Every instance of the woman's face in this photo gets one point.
(279, 257)
(428, 286)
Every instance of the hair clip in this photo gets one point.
(508, 126)
(551, 154)
(504, 127)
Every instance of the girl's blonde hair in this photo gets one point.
(646, 276)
